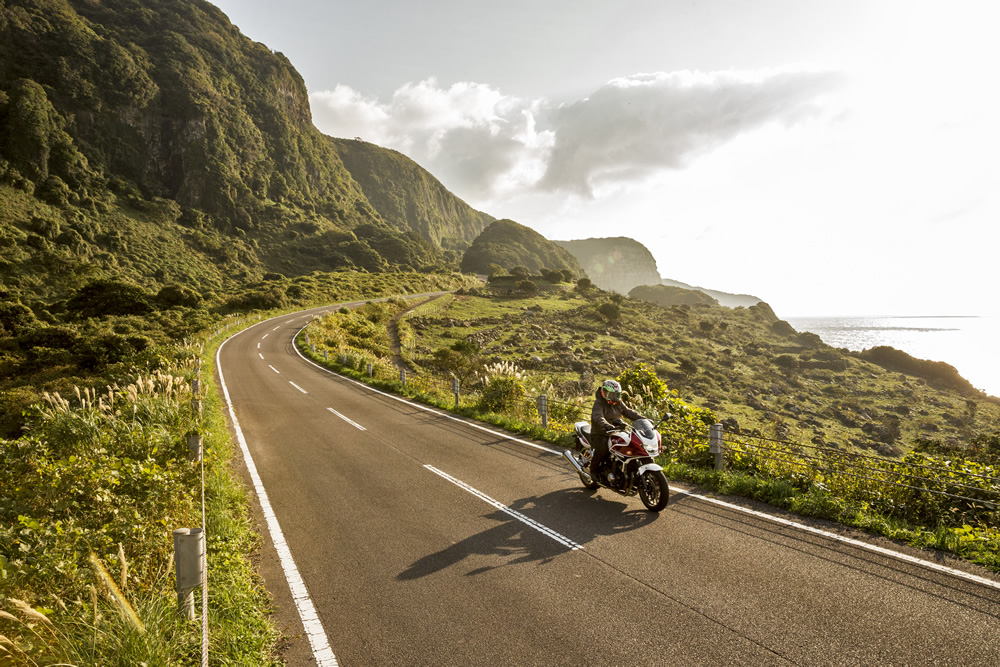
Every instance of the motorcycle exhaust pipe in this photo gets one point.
(575, 463)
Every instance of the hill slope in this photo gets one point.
(615, 264)
(509, 244)
(154, 139)
(408, 197)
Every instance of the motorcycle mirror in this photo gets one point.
(665, 417)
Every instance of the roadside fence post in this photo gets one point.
(196, 407)
(343, 360)
(196, 443)
(195, 386)
(189, 562)
(402, 377)
(326, 355)
(543, 410)
(313, 347)
(454, 389)
(715, 445)
(369, 369)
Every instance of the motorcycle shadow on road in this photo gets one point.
(572, 513)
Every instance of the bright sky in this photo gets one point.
(831, 158)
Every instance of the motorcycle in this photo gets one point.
(629, 468)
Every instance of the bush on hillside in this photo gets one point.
(108, 297)
(936, 372)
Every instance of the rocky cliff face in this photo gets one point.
(126, 105)
(616, 264)
(408, 197)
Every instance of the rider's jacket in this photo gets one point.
(603, 413)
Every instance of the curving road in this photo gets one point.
(412, 538)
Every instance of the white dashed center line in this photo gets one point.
(352, 423)
(544, 530)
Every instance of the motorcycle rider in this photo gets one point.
(606, 416)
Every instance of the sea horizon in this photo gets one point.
(963, 341)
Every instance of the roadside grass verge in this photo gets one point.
(980, 545)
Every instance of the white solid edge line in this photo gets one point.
(505, 436)
(847, 540)
(303, 603)
(352, 423)
(785, 522)
(544, 530)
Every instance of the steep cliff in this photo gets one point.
(617, 264)
(408, 197)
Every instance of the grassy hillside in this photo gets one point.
(507, 245)
(753, 370)
(666, 295)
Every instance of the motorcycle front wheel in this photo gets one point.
(653, 490)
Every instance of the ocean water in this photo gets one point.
(967, 343)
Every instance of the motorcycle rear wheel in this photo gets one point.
(653, 490)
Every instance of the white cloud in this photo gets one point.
(485, 145)
(635, 125)
(344, 112)
(479, 142)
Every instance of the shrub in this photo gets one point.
(526, 287)
(520, 272)
(610, 311)
(109, 297)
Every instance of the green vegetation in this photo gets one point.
(102, 479)
(412, 199)
(665, 295)
(508, 244)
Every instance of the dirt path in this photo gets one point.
(395, 349)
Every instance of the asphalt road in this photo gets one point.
(423, 540)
